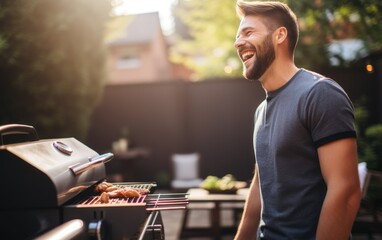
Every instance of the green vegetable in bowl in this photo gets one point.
(227, 182)
(210, 182)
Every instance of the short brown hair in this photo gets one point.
(277, 15)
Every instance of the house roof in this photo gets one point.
(132, 29)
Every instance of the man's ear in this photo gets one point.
(281, 35)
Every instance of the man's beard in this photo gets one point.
(265, 55)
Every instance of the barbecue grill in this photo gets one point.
(49, 188)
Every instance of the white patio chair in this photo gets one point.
(185, 171)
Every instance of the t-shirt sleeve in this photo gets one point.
(328, 113)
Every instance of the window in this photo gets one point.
(128, 61)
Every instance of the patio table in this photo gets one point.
(217, 203)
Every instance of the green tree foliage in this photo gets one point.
(369, 136)
(323, 21)
(52, 63)
(213, 25)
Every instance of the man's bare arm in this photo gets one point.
(251, 215)
(338, 161)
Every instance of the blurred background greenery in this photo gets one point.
(52, 62)
(210, 27)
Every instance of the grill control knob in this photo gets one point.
(156, 231)
(96, 230)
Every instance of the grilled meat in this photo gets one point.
(108, 190)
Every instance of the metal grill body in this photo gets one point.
(50, 183)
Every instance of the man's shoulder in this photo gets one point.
(314, 76)
(316, 81)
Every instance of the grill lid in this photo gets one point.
(46, 173)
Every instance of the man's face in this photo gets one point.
(254, 46)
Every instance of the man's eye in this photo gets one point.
(248, 33)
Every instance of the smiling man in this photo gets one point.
(305, 183)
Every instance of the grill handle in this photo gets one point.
(93, 162)
(13, 129)
(73, 229)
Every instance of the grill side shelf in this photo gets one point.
(166, 201)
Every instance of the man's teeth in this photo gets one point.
(247, 55)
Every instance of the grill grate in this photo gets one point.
(147, 186)
(94, 200)
(153, 202)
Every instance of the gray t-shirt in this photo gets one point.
(290, 124)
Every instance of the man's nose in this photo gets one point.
(239, 42)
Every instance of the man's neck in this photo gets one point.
(277, 75)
